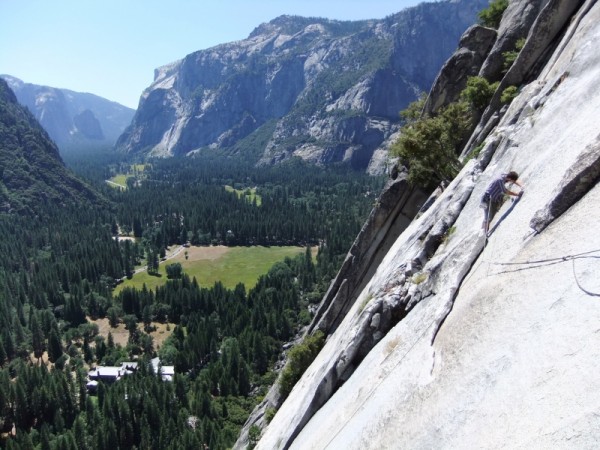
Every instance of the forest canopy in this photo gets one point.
(60, 266)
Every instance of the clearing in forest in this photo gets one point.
(229, 265)
(120, 179)
(161, 331)
(249, 194)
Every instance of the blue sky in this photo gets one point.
(111, 47)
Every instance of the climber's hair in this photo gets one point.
(512, 175)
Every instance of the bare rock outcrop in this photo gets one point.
(72, 117)
(88, 125)
(497, 341)
(551, 22)
(398, 204)
(322, 90)
(396, 207)
(466, 62)
(516, 23)
(582, 176)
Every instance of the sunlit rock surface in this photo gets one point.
(500, 344)
(323, 90)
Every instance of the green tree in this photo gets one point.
(128, 259)
(100, 348)
(511, 55)
(253, 436)
(55, 350)
(22, 408)
(9, 344)
(6, 412)
(414, 110)
(147, 314)
(243, 377)
(152, 260)
(146, 344)
(3, 355)
(307, 273)
(45, 438)
(37, 337)
(174, 271)
(80, 433)
(478, 92)
(74, 312)
(430, 146)
(509, 94)
(299, 358)
(259, 356)
(112, 440)
(113, 316)
(492, 15)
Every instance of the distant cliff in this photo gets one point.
(72, 118)
(32, 174)
(323, 90)
(453, 340)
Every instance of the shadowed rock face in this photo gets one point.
(33, 176)
(578, 180)
(323, 90)
(517, 21)
(397, 206)
(72, 117)
(466, 62)
(453, 341)
(88, 125)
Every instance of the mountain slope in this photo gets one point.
(323, 90)
(72, 118)
(489, 344)
(33, 177)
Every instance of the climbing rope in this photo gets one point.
(593, 294)
(548, 261)
(534, 264)
(524, 265)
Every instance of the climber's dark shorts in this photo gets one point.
(490, 208)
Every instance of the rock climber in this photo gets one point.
(494, 196)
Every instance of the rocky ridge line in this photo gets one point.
(322, 90)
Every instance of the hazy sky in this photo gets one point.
(111, 47)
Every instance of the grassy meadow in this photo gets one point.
(249, 194)
(229, 265)
(120, 179)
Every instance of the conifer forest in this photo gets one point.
(60, 263)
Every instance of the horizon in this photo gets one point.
(126, 41)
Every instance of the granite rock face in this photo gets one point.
(323, 90)
(458, 341)
(542, 43)
(466, 62)
(516, 23)
(88, 125)
(72, 118)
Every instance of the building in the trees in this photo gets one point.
(167, 372)
(110, 374)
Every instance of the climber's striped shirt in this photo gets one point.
(496, 189)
